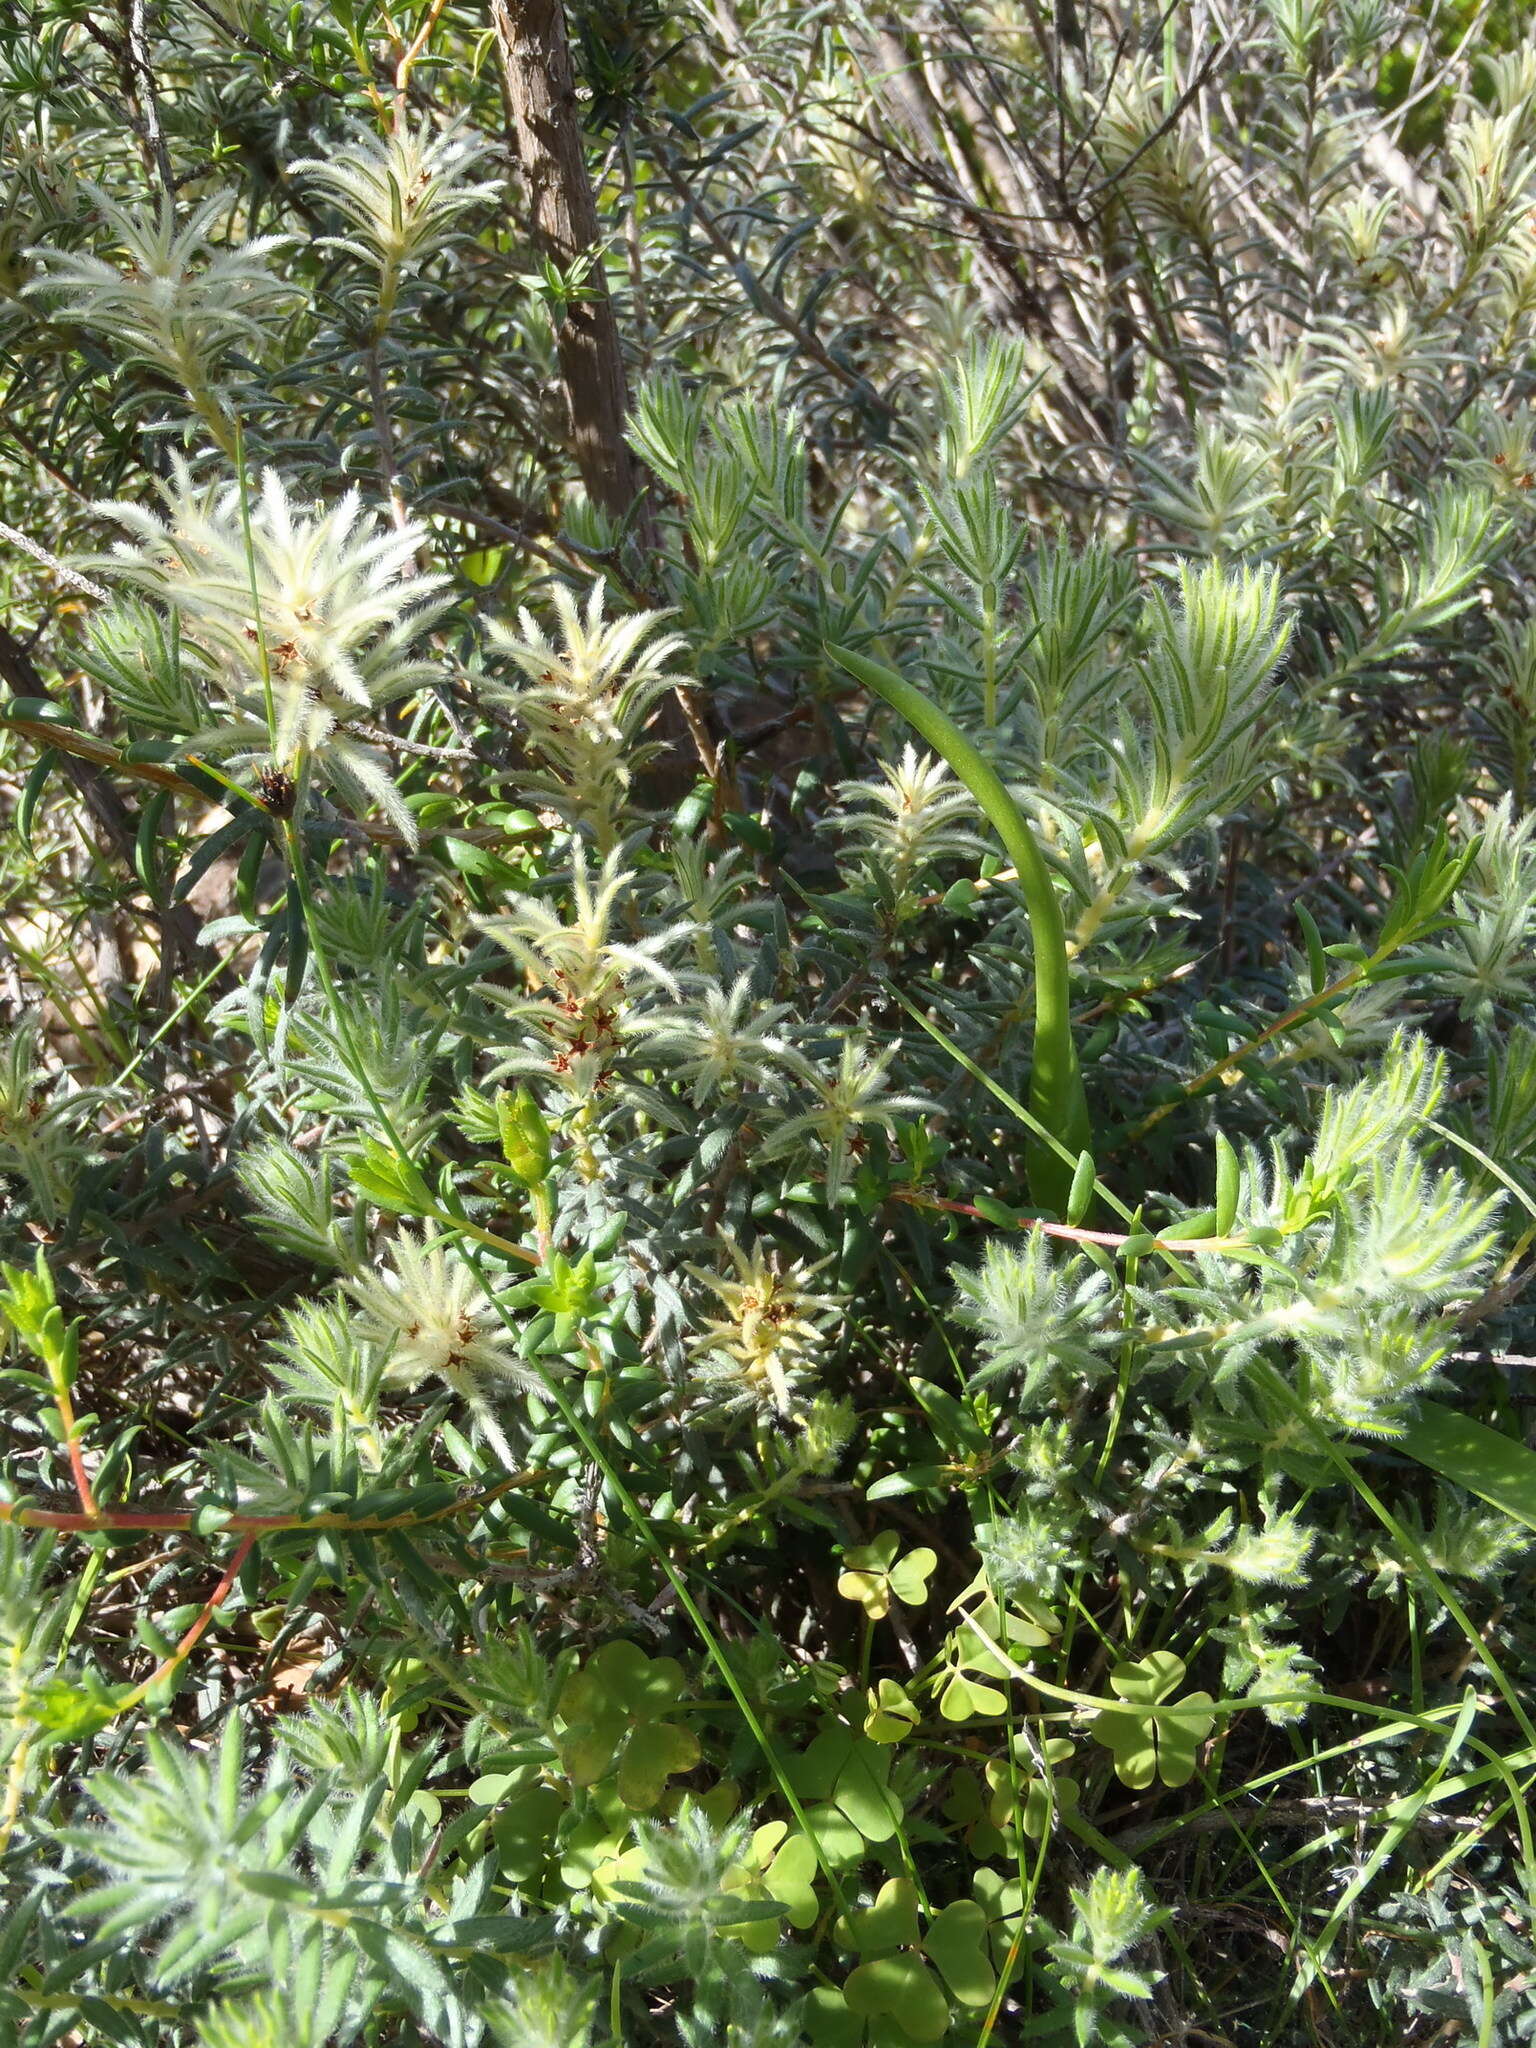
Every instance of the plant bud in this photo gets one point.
(524, 1136)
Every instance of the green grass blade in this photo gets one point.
(1055, 1088)
(1498, 1468)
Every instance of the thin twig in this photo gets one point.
(193, 1636)
(154, 136)
(1296, 1813)
(54, 563)
(28, 1514)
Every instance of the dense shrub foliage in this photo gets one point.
(768, 1176)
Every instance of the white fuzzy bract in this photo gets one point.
(340, 606)
(771, 1327)
(402, 194)
(586, 701)
(431, 1317)
(722, 1042)
(181, 300)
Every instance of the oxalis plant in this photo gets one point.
(767, 1026)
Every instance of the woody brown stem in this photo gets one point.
(540, 97)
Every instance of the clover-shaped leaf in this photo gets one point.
(901, 1988)
(966, 1809)
(1001, 1898)
(892, 1715)
(964, 1697)
(910, 1576)
(791, 1879)
(655, 1751)
(1024, 1624)
(1152, 1736)
(873, 1575)
(862, 1792)
(524, 1827)
(837, 1839)
(965, 1804)
(891, 1922)
(829, 2021)
(894, 1982)
(983, 1651)
(814, 1772)
(615, 1712)
(852, 1772)
(597, 1854)
(954, 1942)
(777, 1869)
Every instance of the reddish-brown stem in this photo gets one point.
(408, 58)
(82, 1477)
(70, 1428)
(189, 1641)
(1071, 1230)
(170, 1521)
(76, 1459)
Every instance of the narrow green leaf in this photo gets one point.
(1056, 1089)
(146, 841)
(248, 874)
(32, 792)
(1317, 963)
(1228, 1181)
(36, 711)
(298, 949)
(1080, 1197)
(1497, 1468)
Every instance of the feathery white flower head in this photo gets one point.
(718, 1044)
(432, 1319)
(770, 1330)
(854, 1098)
(402, 194)
(916, 815)
(586, 702)
(181, 302)
(340, 604)
(339, 597)
(602, 664)
(585, 973)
